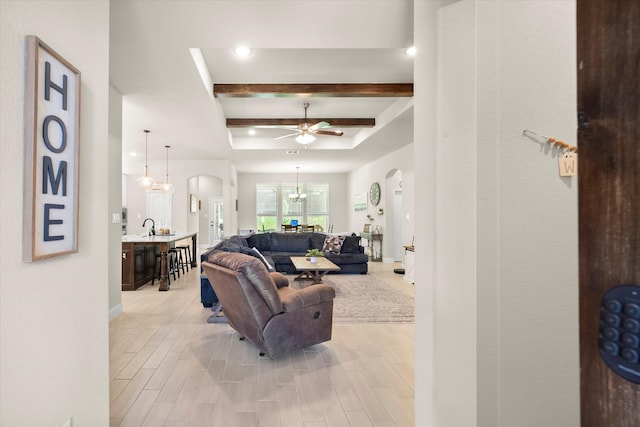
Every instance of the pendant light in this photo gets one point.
(166, 187)
(146, 182)
(297, 197)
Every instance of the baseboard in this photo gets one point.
(115, 312)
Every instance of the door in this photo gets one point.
(216, 223)
(159, 208)
(609, 197)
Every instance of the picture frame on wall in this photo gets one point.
(360, 202)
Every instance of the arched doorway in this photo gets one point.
(207, 219)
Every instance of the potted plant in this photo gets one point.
(313, 253)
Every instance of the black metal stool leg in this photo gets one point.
(171, 263)
(187, 255)
(180, 261)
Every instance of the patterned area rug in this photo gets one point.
(363, 298)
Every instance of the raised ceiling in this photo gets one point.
(167, 58)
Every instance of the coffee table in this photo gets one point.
(312, 270)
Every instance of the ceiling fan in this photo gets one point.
(305, 131)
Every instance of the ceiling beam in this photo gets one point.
(363, 90)
(343, 123)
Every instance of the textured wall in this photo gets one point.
(54, 313)
(496, 277)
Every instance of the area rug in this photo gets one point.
(363, 298)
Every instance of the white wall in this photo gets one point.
(115, 201)
(497, 293)
(180, 173)
(337, 196)
(536, 284)
(54, 313)
(456, 206)
(193, 218)
(360, 181)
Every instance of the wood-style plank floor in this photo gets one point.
(169, 367)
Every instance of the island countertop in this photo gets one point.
(139, 257)
(158, 238)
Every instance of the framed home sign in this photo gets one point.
(51, 156)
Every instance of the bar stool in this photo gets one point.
(179, 261)
(170, 266)
(187, 256)
(174, 265)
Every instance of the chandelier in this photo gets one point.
(297, 197)
(146, 182)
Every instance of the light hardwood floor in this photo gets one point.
(169, 367)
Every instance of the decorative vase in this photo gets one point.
(313, 259)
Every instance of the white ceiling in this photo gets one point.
(153, 45)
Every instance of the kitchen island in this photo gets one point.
(139, 255)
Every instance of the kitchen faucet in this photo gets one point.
(153, 226)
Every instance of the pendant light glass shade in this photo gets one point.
(165, 187)
(146, 182)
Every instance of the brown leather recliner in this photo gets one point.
(263, 308)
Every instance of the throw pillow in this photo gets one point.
(351, 245)
(333, 244)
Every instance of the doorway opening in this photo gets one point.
(216, 221)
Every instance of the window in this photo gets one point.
(317, 205)
(267, 207)
(274, 207)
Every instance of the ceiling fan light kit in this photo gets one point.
(305, 132)
(305, 138)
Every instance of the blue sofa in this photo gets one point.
(277, 248)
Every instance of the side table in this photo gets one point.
(376, 256)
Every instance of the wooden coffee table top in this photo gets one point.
(322, 264)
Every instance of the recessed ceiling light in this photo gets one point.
(242, 51)
(252, 132)
(410, 51)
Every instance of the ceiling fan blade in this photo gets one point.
(318, 125)
(292, 127)
(287, 136)
(329, 132)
